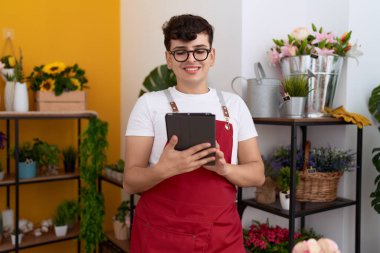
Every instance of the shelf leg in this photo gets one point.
(359, 150)
(293, 151)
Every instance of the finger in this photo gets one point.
(203, 153)
(197, 148)
(219, 154)
(173, 142)
(217, 145)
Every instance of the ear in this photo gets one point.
(212, 57)
(168, 60)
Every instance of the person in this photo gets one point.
(186, 206)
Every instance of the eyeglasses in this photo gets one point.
(183, 55)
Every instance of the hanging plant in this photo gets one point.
(92, 160)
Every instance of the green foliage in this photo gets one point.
(296, 86)
(66, 213)
(122, 211)
(46, 154)
(69, 154)
(283, 179)
(160, 78)
(9, 61)
(93, 157)
(26, 152)
(374, 108)
(19, 70)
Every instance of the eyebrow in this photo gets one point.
(185, 48)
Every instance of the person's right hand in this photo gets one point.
(173, 162)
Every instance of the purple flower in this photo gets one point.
(3, 139)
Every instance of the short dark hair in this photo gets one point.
(186, 27)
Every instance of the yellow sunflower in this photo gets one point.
(12, 61)
(47, 85)
(54, 68)
(75, 82)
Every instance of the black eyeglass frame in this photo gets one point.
(188, 53)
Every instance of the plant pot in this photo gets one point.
(27, 170)
(69, 166)
(60, 230)
(295, 107)
(13, 239)
(9, 93)
(266, 194)
(121, 230)
(21, 99)
(285, 200)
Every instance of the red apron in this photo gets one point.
(193, 212)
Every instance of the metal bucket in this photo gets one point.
(262, 94)
(323, 72)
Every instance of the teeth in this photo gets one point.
(191, 69)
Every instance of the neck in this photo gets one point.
(192, 89)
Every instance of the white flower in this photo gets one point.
(300, 33)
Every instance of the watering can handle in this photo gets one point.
(259, 71)
(232, 84)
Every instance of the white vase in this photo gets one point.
(60, 230)
(21, 100)
(285, 200)
(9, 93)
(13, 239)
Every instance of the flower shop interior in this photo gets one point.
(117, 43)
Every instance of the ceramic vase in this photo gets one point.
(9, 93)
(60, 230)
(285, 200)
(21, 100)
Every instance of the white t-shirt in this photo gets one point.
(148, 116)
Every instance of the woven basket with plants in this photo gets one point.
(321, 172)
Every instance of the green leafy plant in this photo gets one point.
(69, 158)
(46, 154)
(118, 166)
(19, 70)
(93, 157)
(122, 211)
(69, 212)
(283, 179)
(59, 218)
(26, 153)
(160, 78)
(374, 108)
(296, 86)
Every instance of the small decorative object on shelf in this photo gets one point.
(283, 184)
(121, 224)
(65, 216)
(264, 238)
(305, 53)
(47, 156)
(69, 158)
(59, 87)
(13, 237)
(266, 194)
(294, 91)
(27, 166)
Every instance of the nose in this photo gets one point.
(191, 57)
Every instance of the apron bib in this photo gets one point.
(194, 212)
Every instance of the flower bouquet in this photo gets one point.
(264, 238)
(57, 77)
(317, 42)
(7, 65)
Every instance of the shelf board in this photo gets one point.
(61, 176)
(48, 115)
(288, 121)
(29, 240)
(302, 208)
(123, 245)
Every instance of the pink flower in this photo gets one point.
(324, 51)
(323, 245)
(300, 33)
(288, 50)
(329, 37)
(273, 56)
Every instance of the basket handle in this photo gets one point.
(306, 156)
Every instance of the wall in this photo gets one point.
(248, 27)
(73, 31)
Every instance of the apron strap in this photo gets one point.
(226, 115)
(173, 105)
(224, 109)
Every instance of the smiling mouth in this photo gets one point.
(191, 69)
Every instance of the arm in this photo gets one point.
(140, 177)
(249, 171)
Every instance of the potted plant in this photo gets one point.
(8, 65)
(69, 158)
(295, 90)
(60, 221)
(47, 156)
(14, 235)
(27, 165)
(21, 99)
(374, 108)
(318, 54)
(121, 221)
(283, 184)
(59, 87)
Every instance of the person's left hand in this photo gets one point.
(220, 166)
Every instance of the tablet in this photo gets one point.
(191, 129)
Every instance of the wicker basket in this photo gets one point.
(316, 186)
